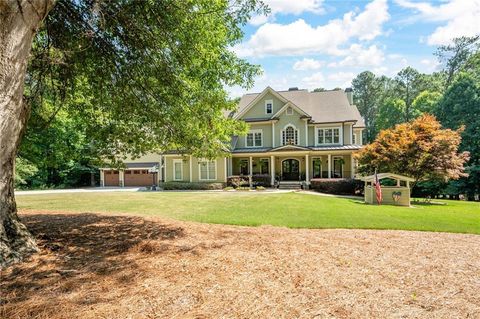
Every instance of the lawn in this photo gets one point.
(292, 210)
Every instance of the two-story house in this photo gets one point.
(294, 135)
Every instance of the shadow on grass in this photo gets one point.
(78, 250)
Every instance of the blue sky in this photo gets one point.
(320, 43)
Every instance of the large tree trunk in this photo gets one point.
(20, 20)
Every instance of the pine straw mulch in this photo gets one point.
(103, 266)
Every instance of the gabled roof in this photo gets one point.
(322, 107)
(296, 108)
(371, 178)
(251, 99)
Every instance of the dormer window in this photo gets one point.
(268, 107)
(289, 110)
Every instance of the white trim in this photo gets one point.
(354, 136)
(181, 169)
(272, 170)
(351, 134)
(306, 133)
(271, 104)
(340, 135)
(329, 166)
(258, 98)
(225, 169)
(307, 173)
(296, 108)
(208, 172)
(191, 177)
(254, 132)
(296, 133)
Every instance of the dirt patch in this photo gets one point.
(102, 266)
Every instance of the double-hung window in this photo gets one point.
(177, 170)
(207, 170)
(268, 107)
(328, 136)
(254, 138)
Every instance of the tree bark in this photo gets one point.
(20, 20)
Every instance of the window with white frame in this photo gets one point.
(268, 107)
(207, 170)
(289, 110)
(290, 136)
(354, 139)
(177, 170)
(328, 135)
(254, 138)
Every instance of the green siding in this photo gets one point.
(220, 169)
(283, 121)
(258, 110)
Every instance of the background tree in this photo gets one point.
(425, 102)
(409, 83)
(420, 149)
(367, 91)
(455, 55)
(391, 112)
(151, 75)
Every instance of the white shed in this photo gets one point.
(395, 195)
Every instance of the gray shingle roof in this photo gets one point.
(323, 107)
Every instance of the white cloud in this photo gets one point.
(313, 81)
(461, 17)
(300, 37)
(430, 65)
(342, 77)
(295, 7)
(358, 56)
(307, 64)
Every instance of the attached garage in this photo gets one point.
(112, 178)
(139, 177)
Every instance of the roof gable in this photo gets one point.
(251, 103)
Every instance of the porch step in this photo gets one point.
(290, 185)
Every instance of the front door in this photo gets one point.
(291, 170)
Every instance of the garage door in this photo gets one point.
(112, 178)
(139, 177)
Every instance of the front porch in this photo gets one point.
(295, 167)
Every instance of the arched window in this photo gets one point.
(290, 136)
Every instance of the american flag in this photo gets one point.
(378, 189)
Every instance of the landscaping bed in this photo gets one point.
(107, 266)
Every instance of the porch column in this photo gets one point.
(160, 169)
(329, 166)
(250, 170)
(272, 170)
(307, 173)
(352, 166)
(102, 178)
(226, 169)
(190, 169)
(230, 166)
(122, 177)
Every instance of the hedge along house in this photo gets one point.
(295, 137)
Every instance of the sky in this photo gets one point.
(320, 43)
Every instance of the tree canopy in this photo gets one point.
(420, 149)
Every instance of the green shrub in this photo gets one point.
(228, 188)
(237, 181)
(260, 188)
(261, 180)
(339, 187)
(191, 186)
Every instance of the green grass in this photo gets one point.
(287, 209)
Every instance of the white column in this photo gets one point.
(225, 169)
(273, 134)
(272, 170)
(165, 168)
(122, 177)
(352, 166)
(329, 166)
(250, 172)
(307, 167)
(230, 166)
(398, 183)
(102, 178)
(190, 169)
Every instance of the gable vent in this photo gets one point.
(293, 89)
